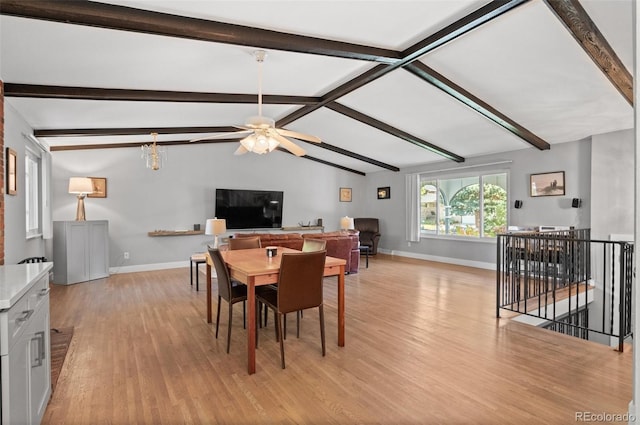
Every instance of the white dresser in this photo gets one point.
(25, 348)
(80, 251)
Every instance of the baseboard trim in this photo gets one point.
(148, 267)
(448, 260)
(180, 264)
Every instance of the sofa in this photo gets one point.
(345, 245)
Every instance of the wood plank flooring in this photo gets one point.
(423, 346)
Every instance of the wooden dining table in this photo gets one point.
(254, 268)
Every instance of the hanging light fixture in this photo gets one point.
(154, 155)
(259, 133)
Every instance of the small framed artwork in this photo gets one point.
(384, 192)
(345, 194)
(99, 187)
(547, 184)
(12, 172)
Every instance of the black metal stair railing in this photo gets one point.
(574, 284)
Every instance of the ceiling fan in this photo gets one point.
(259, 133)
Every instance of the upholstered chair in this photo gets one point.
(299, 288)
(369, 233)
(230, 293)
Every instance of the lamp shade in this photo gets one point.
(346, 223)
(215, 226)
(80, 185)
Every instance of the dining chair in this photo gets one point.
(232, 294)
(248, 243)
(245, 243)
(310, 245)
(299, 288)
(33, 260)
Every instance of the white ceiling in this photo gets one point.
(524, 63)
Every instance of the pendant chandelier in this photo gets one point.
(155, 156)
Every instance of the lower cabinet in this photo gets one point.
(25, 365)
(80, 251)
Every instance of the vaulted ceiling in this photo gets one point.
(384, 84)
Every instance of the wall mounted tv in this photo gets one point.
(249, 209)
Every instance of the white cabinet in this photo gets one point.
(80, 251)
(25, 348)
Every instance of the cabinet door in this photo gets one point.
(99, 249)
(77, 252)
(15, 382)
(40, 364)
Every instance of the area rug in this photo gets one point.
(60, 342)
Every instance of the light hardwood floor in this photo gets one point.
(423, 346)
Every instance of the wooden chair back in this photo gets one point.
(244, 243)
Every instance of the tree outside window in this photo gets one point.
(460, 208)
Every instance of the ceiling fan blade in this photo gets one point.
(241, 150)
(231, 135)
(297, 135)
(289, 145)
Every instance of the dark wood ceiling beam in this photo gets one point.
(175, 130)
(94, 93)
(441, 82)
(187, 142)
(124, 18)
(365, 119)
(84, 132)
(587, 34)
(357, 156)
(322, 161)
(447, 34)
(473, 20)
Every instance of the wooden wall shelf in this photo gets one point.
(295, 228)
(175, 232)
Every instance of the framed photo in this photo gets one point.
(547, 184)
(12, 172)
(345, 194)
(384, 192)
(99, 187)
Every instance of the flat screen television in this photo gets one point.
(249, 209)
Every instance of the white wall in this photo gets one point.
(17, 246)
(574, 158)
(182, 193)
(612, 184)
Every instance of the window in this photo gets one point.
(32, 195)
(471, 206)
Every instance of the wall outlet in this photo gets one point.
(126, 255)
(409, 243)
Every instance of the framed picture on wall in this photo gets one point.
(345, 194)
(547, 184)
(12, 172)
(99, 187)
(384, 192)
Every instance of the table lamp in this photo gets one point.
(80, 186)
(215, 226)
(346, 223)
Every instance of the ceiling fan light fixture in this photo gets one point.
(259, 134)
(273, 143)
(257, 121)
(249, 142)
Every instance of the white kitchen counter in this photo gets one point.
(17, 279)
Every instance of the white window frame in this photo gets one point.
(479, 176)
(33, 194)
